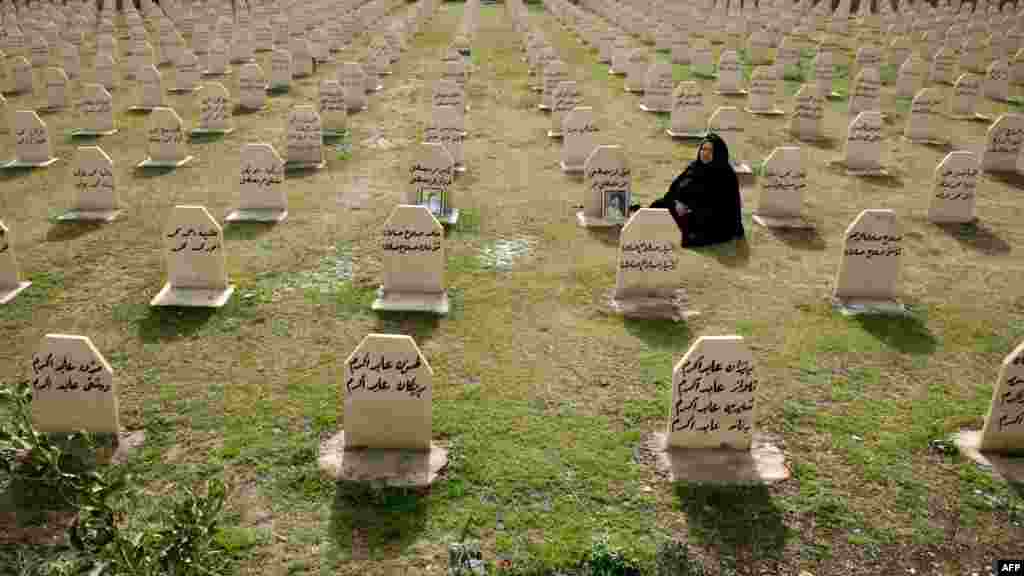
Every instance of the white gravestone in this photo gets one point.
(824, 71)
(39, 52)
(105, 71)
(448, 93)
(866, 95)
(21, 73)
(965, 95)
(165, 139)
(556, 71)
(72, 387)
(431, 173)
(997, 81)
(96, 112)
(924, 123)
(702, 62)
(304, 138)
(10, 283)
(217, 59)
(911, 76)
(32, 145)
(727, 122)
(658, 87)
(281, 70)
(214, 110)
(187, 73)
(413, 262)
(944, 65)
(956, 180)
(56, 89)
(807, 122)
(333, 109)
(302, 57)
(388, 394)
(1004, 424)
(607, 177)
(262, 196)
(579, 135)
(764, 92)
(648, 264)
(713, 396)
(567, 97)
(783, 182)
(870, 264)
(730, 75)
(787, 57)
(864, 141)
(193, 245)
(149, 89)
(687, 119)
(71, 60)
(445, 127)
(636, 70)
(353, 82)
(1003, 144)
(94, 196)
(252, 87)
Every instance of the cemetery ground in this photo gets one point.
(542, 395)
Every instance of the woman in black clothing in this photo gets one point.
(705, 199)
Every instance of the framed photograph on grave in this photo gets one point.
(436, 201)
(615, 206)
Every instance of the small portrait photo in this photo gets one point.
(434, 202)
(615, 203)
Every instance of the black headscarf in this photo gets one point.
(712, 193)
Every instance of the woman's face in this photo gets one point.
(707, 152)
(615, 203)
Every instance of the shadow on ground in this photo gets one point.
(908, 334)
(977, 237)
(376, 522)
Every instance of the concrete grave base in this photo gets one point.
(257, 215)
(629, 90)
(686, 135)
(647, 108)
(742, 168)
(183, 90)
(241, 60)
(543, 107)
(392, 467)
(192, 297)
(291, 166)
(411, 302)
(205, 131)
(1009, 468)
(571, 169)
(834, 96)
(669, 308)
(732, 93)
(86, 132)
(51, 109)
(127, 444)
(137, 108)
(553, 134)
(926, 141)
(327, 134)
(781, 221)
(976, 117)
(29, 164)
(591, 222)
(89, 216)
(614, 72)
(771, 112)
(858, 306)
(459, 168)
(7, 293)
(151, 163)
(763, 463)
(206, 73)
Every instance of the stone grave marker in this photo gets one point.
(764, 92)
(956, 180)
(807, 120)
(262, 197)
(787, 57)
(304, 138)
(997, 81)
(302, 57)
(332, 108)
(139, 55)
(214, 110)
(281, 70)
(1017, 67)
(556, 71)
(579, 131)
(717, 373)
(196, 266)
(39, 52)
(73, 387)
(648, 273)
(10, 282)
(944, 65)
(567, 97)
(21, 73)
(445, 127)
(620, 52)
(702, 62)
(899, 51)
(94, 196)
(187, 73)
(870, 264)
(965, 95)
(1003, 144)
(607, 176)
(911, 77)
(867, 92)
(783, 182)
(455, 71)
(636, 70)
(56, 89)
(824, 71)
(166, 140)
(71, 60)
(106, 44)
(864, 140)
(658, 87)
(923, 124)
(680, 48)
(759, 47)
(730, 75)
(431, 173)
(687, 120)
(32, 145)
(217, 59)
(1003, 431)
(413, 261)
(105, 71)
(727, 122)
(388, 408)
(95, 112)
(252, 87)
(447, 93)
(353, 84)
(241, 46)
